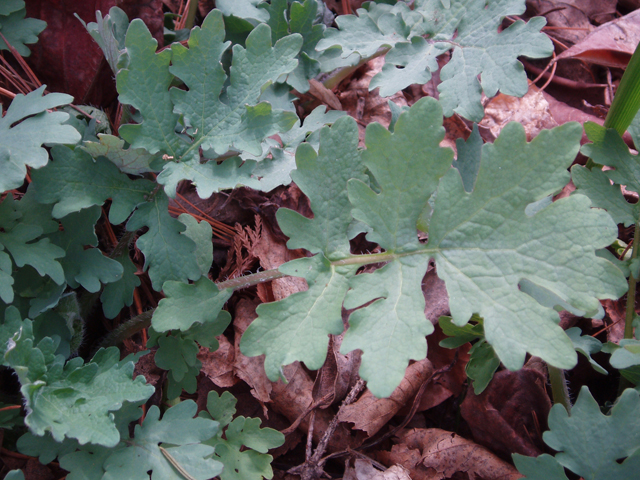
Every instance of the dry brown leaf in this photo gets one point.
(370, 414)
(292, 399)
(450, 382)
(571, 20)
(616, 312)
(273, 252)
(610, 45)
(365, 106)
(435, 296)
(322, 93)
(434, 454)
(249, 369)
(218, 366)
(338, 375)
(364, 470)
(532, 111)
(511, 414)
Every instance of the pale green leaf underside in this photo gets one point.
(486, 245)
(297, 327)
(483, 242)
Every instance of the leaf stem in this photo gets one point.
(559, 390)
(143, 320)
(631, 295)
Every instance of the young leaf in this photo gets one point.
(214, 119)
(73, 181)
(133, 458)
(250, 462)
(202, 300)
(25, 127)
(168, 253)
(17, 29)
(596, 446)
(77, 401)
(470, 27)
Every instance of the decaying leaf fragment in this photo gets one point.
(434, 454)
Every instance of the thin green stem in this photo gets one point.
(191, 14)
(631, 295)
(559, 390)
(143, 320)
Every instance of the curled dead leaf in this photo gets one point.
(434, 454)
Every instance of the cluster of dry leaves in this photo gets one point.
(433, 426)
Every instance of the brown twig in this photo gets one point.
(312, 468)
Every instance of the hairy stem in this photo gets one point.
(559, 390)
(631, 295)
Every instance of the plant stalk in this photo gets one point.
(559, 390)
(631, 295)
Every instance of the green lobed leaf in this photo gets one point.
(486, 245)
(118, 294)
(247, 9)
(543, 467)
(72, 400)
(244, 446)
(178, 431)
(238, 122)
(597, 446)
(187, 304)
(144, 84)
(491, 55)
(26, 125)
(84, 266)
(41, 255)
(14, 475)
(609, 149)
(586, 345)
(297, 327)
(17, 29)
(133, 161)
(177, 355)
(603, 194)
(275, 171)
(74, 181)
(169, 254)
(200, 233)
(469, 27)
